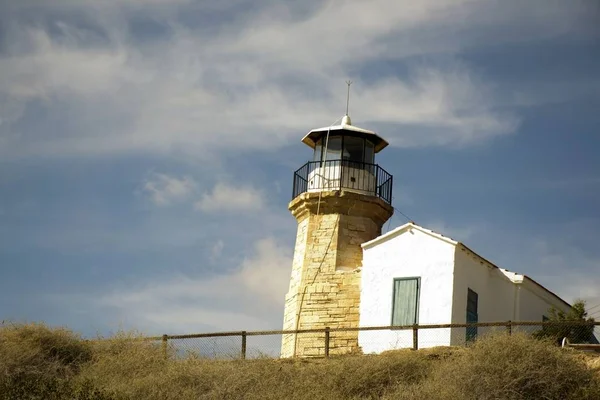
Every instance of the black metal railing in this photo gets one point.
(356, 176)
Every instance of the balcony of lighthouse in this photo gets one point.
(344, 162)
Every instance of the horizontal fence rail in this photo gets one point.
(357, 176)
(253, 344)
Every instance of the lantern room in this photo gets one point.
(344, 142)
(344, 158)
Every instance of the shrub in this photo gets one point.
(581, 331)
(38, 362)
(372, 376)
(512, 367)
(35, 361)
(137, 370)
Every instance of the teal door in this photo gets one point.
(472, 316)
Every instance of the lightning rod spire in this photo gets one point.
(348, 96)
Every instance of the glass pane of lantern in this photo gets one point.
(334, 148)
(318, 150)
(353, 149)
(369, 152)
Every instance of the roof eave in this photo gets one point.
(409, 225)
(527, 278)
(379, 142)
(524, 279)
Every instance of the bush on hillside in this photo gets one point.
(581, 331)
(36, 347)
(131, 367)
(372, 376)
(38, 362)
(139, 371)
(512, 367)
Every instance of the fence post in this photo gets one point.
(415, 337)
(509, 327)
(165, 339)
(327, 337)
(244, 345)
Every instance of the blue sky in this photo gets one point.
(147, 146)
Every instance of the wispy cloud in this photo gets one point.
(217, 250)
(460, 233)
(164, 190)
(78, 80)
(567, 268)
(228, 197)
(241, 85)
(558, 258)
(249, 298)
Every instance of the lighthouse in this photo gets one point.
(341, 199)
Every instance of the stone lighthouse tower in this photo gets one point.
(341, 199)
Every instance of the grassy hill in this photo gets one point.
(37, 362)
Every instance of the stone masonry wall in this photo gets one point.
(324, 287)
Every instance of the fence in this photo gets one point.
(369, 340)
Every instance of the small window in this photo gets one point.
(353, 149)
(334, 148)
(318, 150)
(369, 152)
(405, 306)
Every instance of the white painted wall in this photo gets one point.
(407, 254)
(534, 302)
(496, 293)
(500, 298)
(447, 272)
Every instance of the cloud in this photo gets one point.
(592, 305)
(165, 190)
(267, 273)
(226, 197)
(217, 250)
(220, 88)
(569, 268)
(558, 258)
(251, 297)
(449, 107)
(459, 233)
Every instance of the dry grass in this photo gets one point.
(592, 360)
(37, 362)
(511, 367)
(41, 363)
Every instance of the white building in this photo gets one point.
(412, 275)
(345, 274)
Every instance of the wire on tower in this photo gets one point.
(314, 278)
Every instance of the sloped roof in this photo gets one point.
(513, 276)
(401, 229)
(311, 137)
